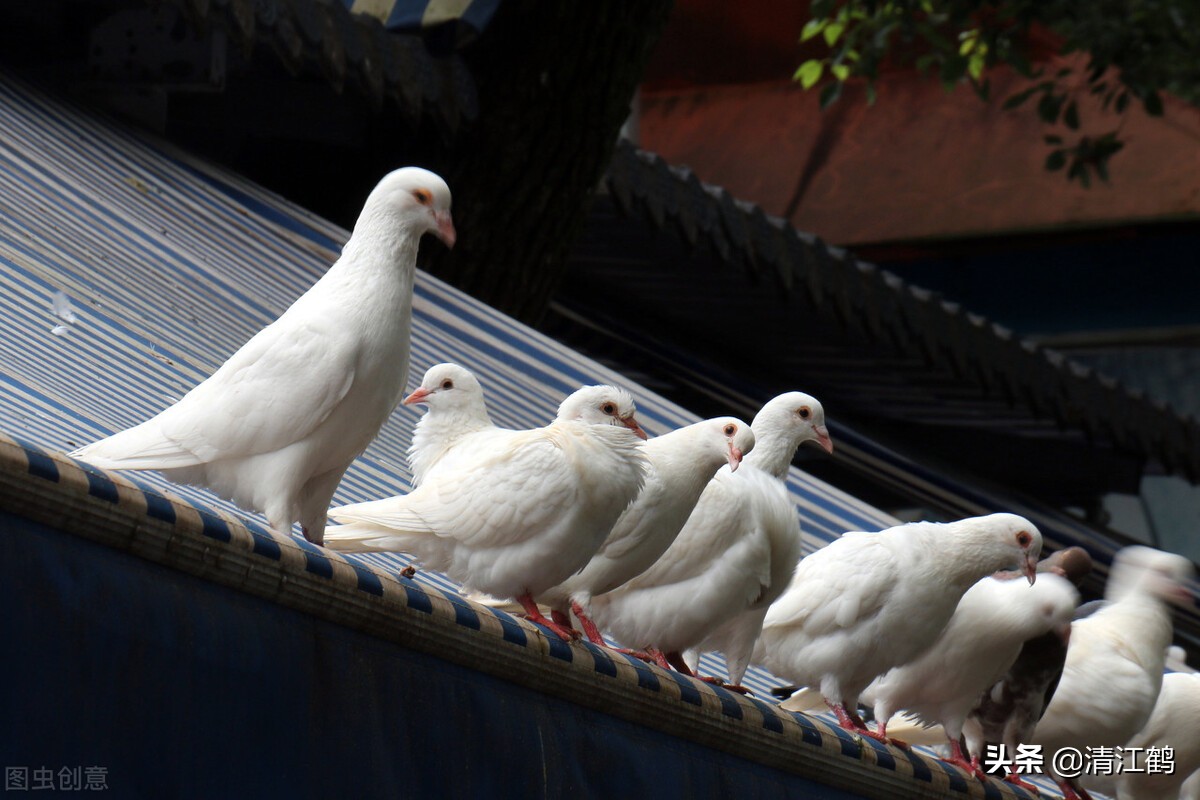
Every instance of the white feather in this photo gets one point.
(276, 426)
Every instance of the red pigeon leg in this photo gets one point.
(534, 614)
(658, 657)
(675, 659)
(959, 759)
(561, 619)
(589, 628)
(733, 687)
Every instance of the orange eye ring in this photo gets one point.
(730, 430)
(423, 196)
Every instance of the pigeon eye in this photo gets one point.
(423, 196)
(608, 408)
(447, 384)
(804, 411)
(1024, 538)
(730, 430)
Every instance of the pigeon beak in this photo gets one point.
(735, 457)
(1183, 597)
(1031, 568)
(632, 424)
(445, 228)
(419, 395)
(823, 438)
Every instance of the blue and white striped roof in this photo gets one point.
(171, 264)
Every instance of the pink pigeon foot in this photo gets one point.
(675, 659)
(959, 759)
(851, 721)
(589, 628)
(562, 619)
(534, 614)
(1015, 779)
(733, 687)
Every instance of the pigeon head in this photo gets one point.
(730, 437)
(412, 198)
(1073, 563)
(1146, 571)
(601, 405)
(1012, 540)
(796, 418)
(447, 386)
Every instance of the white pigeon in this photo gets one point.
(868, 602)
(1191, 787)
(520, 512)
(682, 463)
(456, 412)
(1174, 723)
(1114, 666)
(992, 622)
(276, 426)
(737, 550)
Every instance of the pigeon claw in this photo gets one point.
(534, 615)
(409, 572)
(733, 687)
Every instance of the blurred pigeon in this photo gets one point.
(1009, 711)
(682, 463)
(726, 559)
(1191, 787)
(868, 602)
(1115, 660)
(982, 640)
(1174, 723)
(519, 511)
(277, 425)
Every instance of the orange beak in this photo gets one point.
(418, 396)
(632, 424)
(445, 228)
(823, 439)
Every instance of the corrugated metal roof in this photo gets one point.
(895, 350)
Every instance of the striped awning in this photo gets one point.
(170, 264)
(417, 14)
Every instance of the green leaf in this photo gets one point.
(1056, 160)
(809, 73)
(1153, 104)
(840, 71)
(870, 94)
(1071, 116)
(830, 93)
(812, 28)
(832, 31)
(975, 66)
